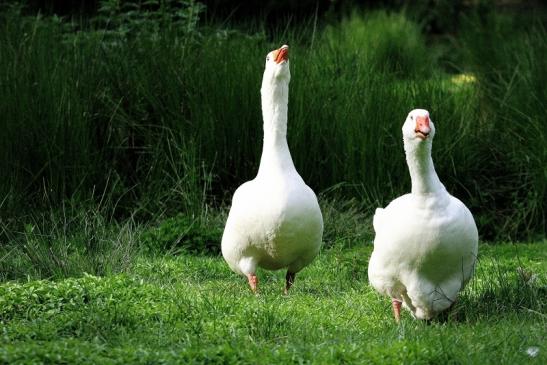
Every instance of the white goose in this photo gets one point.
(275, 221)
(426, 241)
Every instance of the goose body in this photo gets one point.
(426, 241)
(274, 221)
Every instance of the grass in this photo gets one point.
(193, 309)
(67, 242)
(76, 288)
(157, 123)
(74, 241)
(122, 145)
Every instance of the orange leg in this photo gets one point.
(396, 304)
(253, 282)
(289, 281)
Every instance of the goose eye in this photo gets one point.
(267, 58)
(411, 117)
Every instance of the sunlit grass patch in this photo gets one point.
(463, 78)
(194, 308)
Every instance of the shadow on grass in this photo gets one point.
(496, 291)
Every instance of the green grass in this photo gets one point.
(74, 241)
(68, 242)
(122, 144)
(80, 288)
(192, 309)
(153, 123)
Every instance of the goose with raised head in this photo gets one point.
(426, 242)
(274, 221)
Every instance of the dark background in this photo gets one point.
(438, 16)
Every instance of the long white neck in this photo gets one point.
(422, 172)
(275, 151)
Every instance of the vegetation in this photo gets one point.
(147, 114)
(125, 135)
(191, 309)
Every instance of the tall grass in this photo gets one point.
(87, 114)
(507, 58)
(68, 241)
(169, 121)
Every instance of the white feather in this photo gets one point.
(274, 221)
(426, 241)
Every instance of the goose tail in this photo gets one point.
(377, 221)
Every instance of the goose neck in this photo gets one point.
(274, 113)
(275, 151)
(422, 172)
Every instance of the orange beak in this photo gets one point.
(422, 127)
(282, 54)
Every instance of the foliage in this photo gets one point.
(507, 59)
(156, 118)
(73, 241)
(193, 309)
(383, 43)
(344, 223)
(184, 234)
(143, 116)
(118, 21)
(67, 242)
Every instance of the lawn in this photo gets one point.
(125, 134)
(192, 309)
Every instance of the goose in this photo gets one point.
(426, 242)
(274, 220)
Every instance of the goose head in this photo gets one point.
(418, 128)
(276, 70)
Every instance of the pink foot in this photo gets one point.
(396, 304)
(253, 282)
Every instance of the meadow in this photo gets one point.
(193, 310)
(124, 136)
